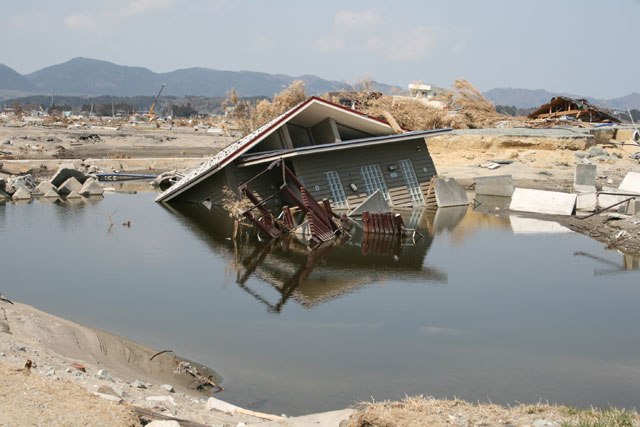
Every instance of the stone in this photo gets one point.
(103, 374)
(585, 175)
(73, 195)
(164, 423)
(450, 193)
(91, 187)
(51, 194)
(544, 202)
(167, 387)
(546, 173)
(138, 384)
(108, 397)
(165, 399)
(220, 405)
(18, 348)
(65, 172)
(69, 185)
(21, 194)
(580, 154)
(630, 183)
(105, 389)
(44, 187)
(597, 151)
(50, 373)
(375, 203)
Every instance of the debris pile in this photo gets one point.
(67, 182)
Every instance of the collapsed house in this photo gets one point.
(329, 151)
(579, 109)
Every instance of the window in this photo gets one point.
(372, 178)
(413, 186)
(336, 191)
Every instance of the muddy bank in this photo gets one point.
(84, 376)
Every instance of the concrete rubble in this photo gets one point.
(449, 192)
(544, 202)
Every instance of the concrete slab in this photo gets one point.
(585, 175)
(500, 185)
(375, 203)
(606, 200)
(450, 193)
(544, 202)
(630, 183)
(323, 419)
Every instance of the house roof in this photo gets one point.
(307, 113)
(258, 158)
(562, 105)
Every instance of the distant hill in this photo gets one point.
(11, 80)
(92, 77)
(528, 98)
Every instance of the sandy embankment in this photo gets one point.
(115, 367)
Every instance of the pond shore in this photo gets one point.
(84, 376)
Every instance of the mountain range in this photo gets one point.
(92, 77)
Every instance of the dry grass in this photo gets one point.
(420, 411)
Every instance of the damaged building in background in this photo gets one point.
(336, 153)
(579, 109)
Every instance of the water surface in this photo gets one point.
(481, 307)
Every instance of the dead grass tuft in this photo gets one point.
(420, 411)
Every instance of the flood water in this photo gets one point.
(482, 307)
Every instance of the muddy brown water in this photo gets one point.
(482, 307)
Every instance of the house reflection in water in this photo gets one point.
(314, 277)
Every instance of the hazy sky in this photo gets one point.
(585, 47)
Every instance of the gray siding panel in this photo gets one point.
(348, 162)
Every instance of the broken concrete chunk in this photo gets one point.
(108, 397)
(44, 187)
(500, 185)
(103, 374)
(544, 202)
(21, 194)
(64, 173)
(450, 193)
(70, 185)
(375, 203)
(91, 187)
(25, 182)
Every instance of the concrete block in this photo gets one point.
(587, 201)
(500, 185)
(44, 187)
(91, 187)
(630, 183)
(73, 195)
(606, 200)
(51, 194)
(585, 188)
(375, 203)
(65, 172)
(450, 193)
(21, 194)
(70, 185)
(544, 202)
(634, 207)
(585, 175)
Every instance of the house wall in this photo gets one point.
(211, 188)
(347, 163)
